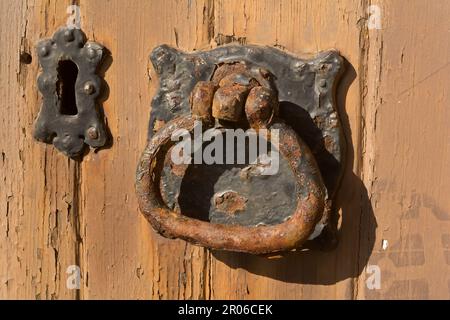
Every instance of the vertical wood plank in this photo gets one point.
(406, 163)
(123, 257)
(301, 27)
(38, 205)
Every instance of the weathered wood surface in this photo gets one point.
(56, 212)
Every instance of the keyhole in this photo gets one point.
(67, 77)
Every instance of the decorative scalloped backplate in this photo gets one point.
(70, 132)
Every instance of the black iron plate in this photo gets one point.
(307, 103)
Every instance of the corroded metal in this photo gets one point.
(305, 92)
(70, 132)
(241, 87)
(309, 193)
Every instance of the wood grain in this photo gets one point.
(39, 219)
(406, 150)
(394, 102)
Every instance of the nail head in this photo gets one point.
(89, 88)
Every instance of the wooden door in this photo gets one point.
(57, 214)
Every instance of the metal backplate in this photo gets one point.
(69, 131)
(306, 96)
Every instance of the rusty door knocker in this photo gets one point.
(245, 87)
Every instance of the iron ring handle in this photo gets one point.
(292, 233)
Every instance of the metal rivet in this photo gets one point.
(322, 83)
(92, 133)
(44, 51)
(298, 66)
(89, 88)
(46, 81)
(91, 53)
(68, 35)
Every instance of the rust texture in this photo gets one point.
(310, 194)
(245, 87)
(236, 93)
(229, 202)
(305, 89)
(233, 88)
